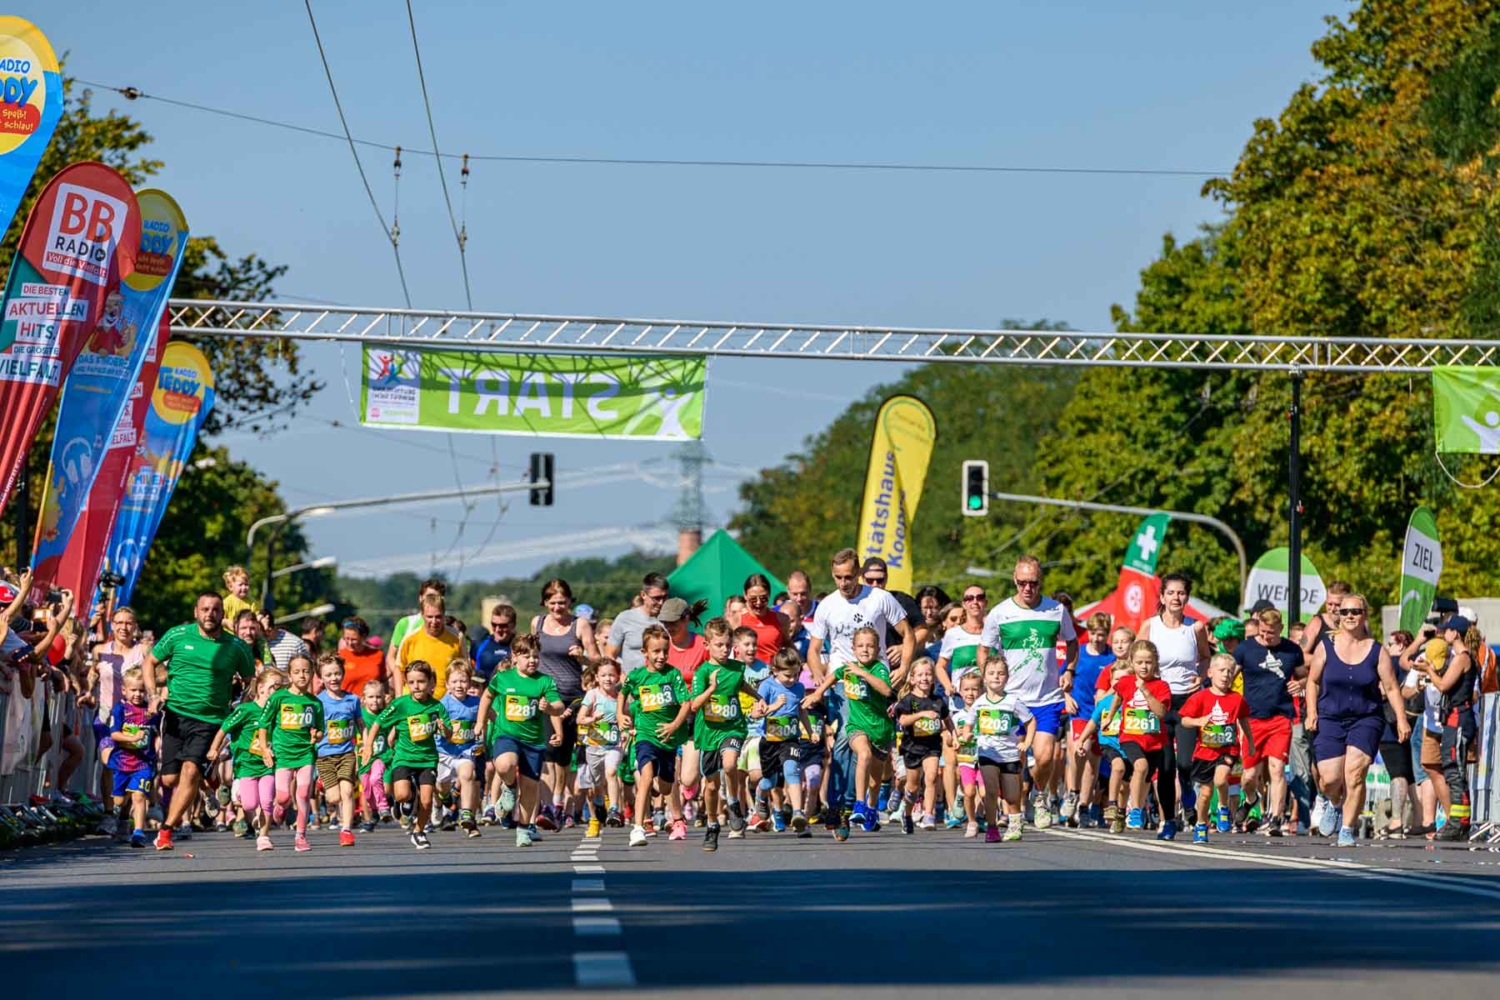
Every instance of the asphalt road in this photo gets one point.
(882, 914)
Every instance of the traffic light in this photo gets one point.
(542, 472)
(976, 485)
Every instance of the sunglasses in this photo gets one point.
(1351, 612)
(1028, 583)
(973, 597)
(872, 579)
(502, 624)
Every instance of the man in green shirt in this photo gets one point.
(203, 660)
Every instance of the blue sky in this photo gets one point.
(1078, 84)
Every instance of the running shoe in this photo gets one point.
(908, 825)
(992, 835)
(679, 830)
(658, 819)
(757, 823)
(1069, 807)
(689, 808)
(164, 839)
(1013, 830)
(971, 830)
(138, 839)
(1136, 820)
(711, 838)
(871, 821)
(507, 800)
(1452, 833)
(473, 832)
(534, 833)
(300, 843)
(1274, 828)
(449, 821)
(841, 829)
(1044, 817)
(638, 837)
(241, 829)
(368, 826)
(1346, 836)
(614, 819)
(419, 840)
(507, 822)
(547, 820)
(466, 820)
(523, 836)
(1328, 817)
(346, 838)
(1168, 830)
(385, 815)
(487, 818)
(954, 821)
(736, 813)
(570, 821)
(185, 831)
(109, 825)
(799, 821)
(1200, 833)
(1226, 823)
(1242, 812)
(927, 823)
(592, 831)
(263, 843)
(649, 826)
(858, 814)
(778, 822)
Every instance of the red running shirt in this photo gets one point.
(1220, 735)
(1138, 724)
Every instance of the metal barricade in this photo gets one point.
(31, 775)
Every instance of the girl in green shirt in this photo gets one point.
(290, 726)
(255, 784)
(415, 718)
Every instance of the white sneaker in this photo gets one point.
(1069, 806)
(638, 837)
(1043, 817)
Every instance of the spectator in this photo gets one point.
(362, 662)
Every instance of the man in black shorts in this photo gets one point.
(203, 660)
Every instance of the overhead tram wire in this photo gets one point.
(135, 93)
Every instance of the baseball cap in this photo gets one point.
(1261, 605)
(1459, 624)
(585, 611)
(8, 592)
(673, 609)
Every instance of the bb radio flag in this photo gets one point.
(98, 388)
(180, 401)
(80, 240)
(900, 449)
(83, 559)
(31, 100)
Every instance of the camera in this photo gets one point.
(110, 580)
(54, 596)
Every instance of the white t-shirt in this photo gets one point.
(838, 618)
(961, 649)
(112, 663)
(1028, 639)
(1000, 724)
(626, 633)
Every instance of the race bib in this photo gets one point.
(926, 727)
(340, 731)
(134, 735)
(461, 731)
(1113, 728)
(996, 722)
(257, 745)
(420, 728)
(605, 734)
(781, 728)
(655, 697)
(378, 747)
(519, 708)
(1217, 734)
(968, 753)
(722, 708)
(295, 717)
(1141, 722)
(855, 689)
(814, 731)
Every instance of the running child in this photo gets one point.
(373, 782)
(742, 644)
(659, 723)
(780, 704)
(254, 782)
(719, 732)
(867, 691)
(521, 735)
(133, 728)
(459, 746)
(599, 729)
(338, 761)
(1101, 737)
(415, 718)
(1217, 711)
(998, 717)
(292, 724)
(926, 727)
(966, 736)
(1144, 698)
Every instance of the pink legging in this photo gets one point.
(304, 777)
(372, 786)
(256, 793)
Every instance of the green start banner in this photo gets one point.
(1466, 409)
(557, 395)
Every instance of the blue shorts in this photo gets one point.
(529, 759)
(1334, 735)
(133, 781)
(1049, 718)
(664, 759)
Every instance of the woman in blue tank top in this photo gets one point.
(1350, 676)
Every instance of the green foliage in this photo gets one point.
(798, 513)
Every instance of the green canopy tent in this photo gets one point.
(717, 571)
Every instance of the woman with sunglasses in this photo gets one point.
(1349, 679)
(362, 662)
(959, 652)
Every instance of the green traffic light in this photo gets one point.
(976, 501)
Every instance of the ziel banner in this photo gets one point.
(79, 242)
(99, 387)
(1421, 565)
(180, 402)
(900, 448)
(1269, 581)
(31, 100)
(558, 395)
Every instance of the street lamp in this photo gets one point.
(280, 521)
(321, 609)
(322, 562)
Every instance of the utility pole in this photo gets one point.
(1294, 506)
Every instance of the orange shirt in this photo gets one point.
(361, 668)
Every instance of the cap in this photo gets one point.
(7, 592)
(1436, 652)
(1458, 623)
(585, 611)
(673, 609)
(1261, 605)
(1468, 612)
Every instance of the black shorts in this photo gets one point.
(183, 740)
(1134, 752)
(1003, 766)
(774, 754)
(415, 775)
(710, 764)
(1203, 770)
(914, 751)
(813, 753)
(563, 752)
(1107, 757)
(1397, 758)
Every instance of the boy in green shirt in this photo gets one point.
(521, 736)
(867, 696)
(719, 731)
(658, 722)
(415, 717)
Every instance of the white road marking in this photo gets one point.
(596, 926)
(588, 885)
(593, 906)
(1351, 869)
(603, 968)
(588, 869)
